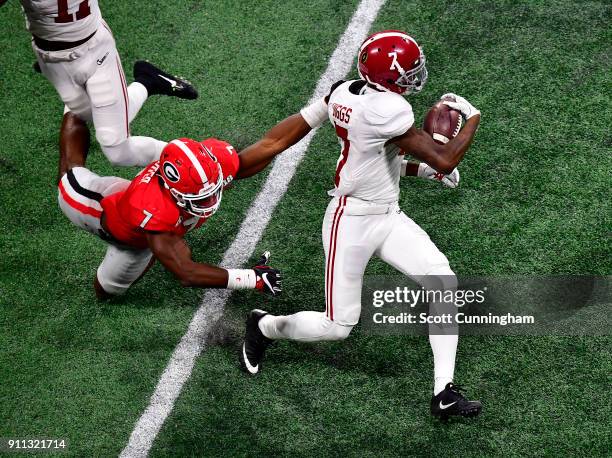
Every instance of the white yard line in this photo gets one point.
(183, 358)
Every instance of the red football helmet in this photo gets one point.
(193, 175)
(392, 61)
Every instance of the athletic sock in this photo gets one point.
(137, 96)
(444, 348)
(267, 326)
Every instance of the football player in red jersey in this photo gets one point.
(147, 218)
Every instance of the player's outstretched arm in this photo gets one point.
(443, 158)
(285, 134)
(175, 255)
(282, 136)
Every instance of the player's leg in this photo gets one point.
(307, 326)
(347, 252)
(348, 244)
(80, 192)
(61, 68)
(74, 143)
(115, 104)
(409, 249)
(120, 269)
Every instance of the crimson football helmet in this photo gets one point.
(392, 61)
(193, 175)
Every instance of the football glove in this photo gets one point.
(268, 279)
(451, 180)
(456, 102)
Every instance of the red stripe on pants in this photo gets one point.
(331, 258)
(125, 96)
(78, 206)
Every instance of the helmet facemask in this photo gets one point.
(414, 79)
(205, 203)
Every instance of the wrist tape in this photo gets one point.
(422, 172)
(404, 167)
(241, 279)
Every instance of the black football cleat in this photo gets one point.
(450, 401)
(159, 82)
(254, 345)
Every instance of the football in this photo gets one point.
(442, 122)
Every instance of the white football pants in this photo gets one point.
(354, 231)
(79, 194)
(91, 83)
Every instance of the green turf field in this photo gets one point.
(534, 198)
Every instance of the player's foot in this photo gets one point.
(254, 345)
(159, 82)
(450, 401)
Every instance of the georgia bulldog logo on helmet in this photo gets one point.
(193, 175)
(392, 61)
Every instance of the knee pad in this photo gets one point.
(442, 277)
(108, 137)
(79, 105)
(82, 111)
(341, 332)
(337, 331)
(120, 268)
(118, 155)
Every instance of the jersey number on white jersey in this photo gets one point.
(342, 134)
(64, 17)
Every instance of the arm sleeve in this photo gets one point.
(315, 114)
(392, 116)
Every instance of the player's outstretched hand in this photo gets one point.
(268, 278)
(456, 102)
(451, 180)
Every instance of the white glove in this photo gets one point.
(460, 104)
(451, 180)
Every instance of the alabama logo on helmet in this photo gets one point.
(392, 60)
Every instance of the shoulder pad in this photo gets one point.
(357, 86)
(333, 88)
(390, 114)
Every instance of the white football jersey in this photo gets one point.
(62, 20)
(365, 119)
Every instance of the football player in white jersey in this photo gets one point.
(375, 126)
(76, 51)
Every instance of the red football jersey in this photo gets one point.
(146, 205)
